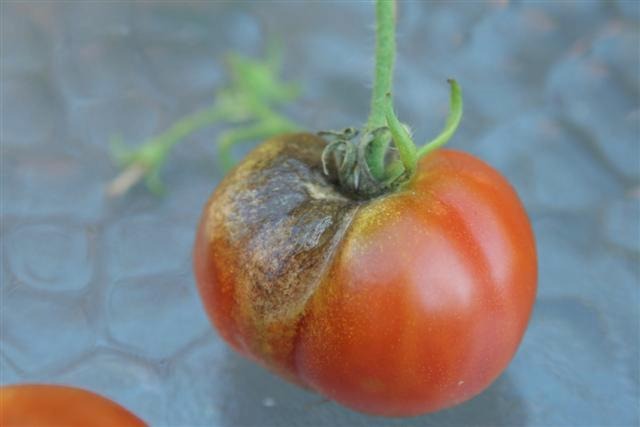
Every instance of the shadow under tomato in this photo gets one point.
(255, 397)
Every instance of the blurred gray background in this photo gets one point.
(99, 293)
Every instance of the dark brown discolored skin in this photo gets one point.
(264, 243)
(408, 303)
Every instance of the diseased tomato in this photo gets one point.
(38, 405)
(402, 304)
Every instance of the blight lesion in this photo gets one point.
(284, 220)
(282, 216)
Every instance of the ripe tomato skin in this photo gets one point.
(418, 304)
(29, 405)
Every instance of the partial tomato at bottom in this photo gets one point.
(404, 304)
(30, 405)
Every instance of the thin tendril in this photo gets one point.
(453, 120)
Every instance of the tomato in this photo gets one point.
(31, 405)
(404, 304)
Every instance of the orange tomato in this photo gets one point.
(404, 304)
(38, 405)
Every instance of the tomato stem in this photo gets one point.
(370, 167)
(383, 82)
(382, 113)
(385, 58)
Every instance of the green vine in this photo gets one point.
(250, 101)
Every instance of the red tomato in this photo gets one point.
(400, 305)
(32, 405)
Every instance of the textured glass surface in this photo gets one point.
(99, 293)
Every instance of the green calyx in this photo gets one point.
(345, 159)
(348, 154)
(384, 156)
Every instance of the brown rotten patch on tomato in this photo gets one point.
(273, 226)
